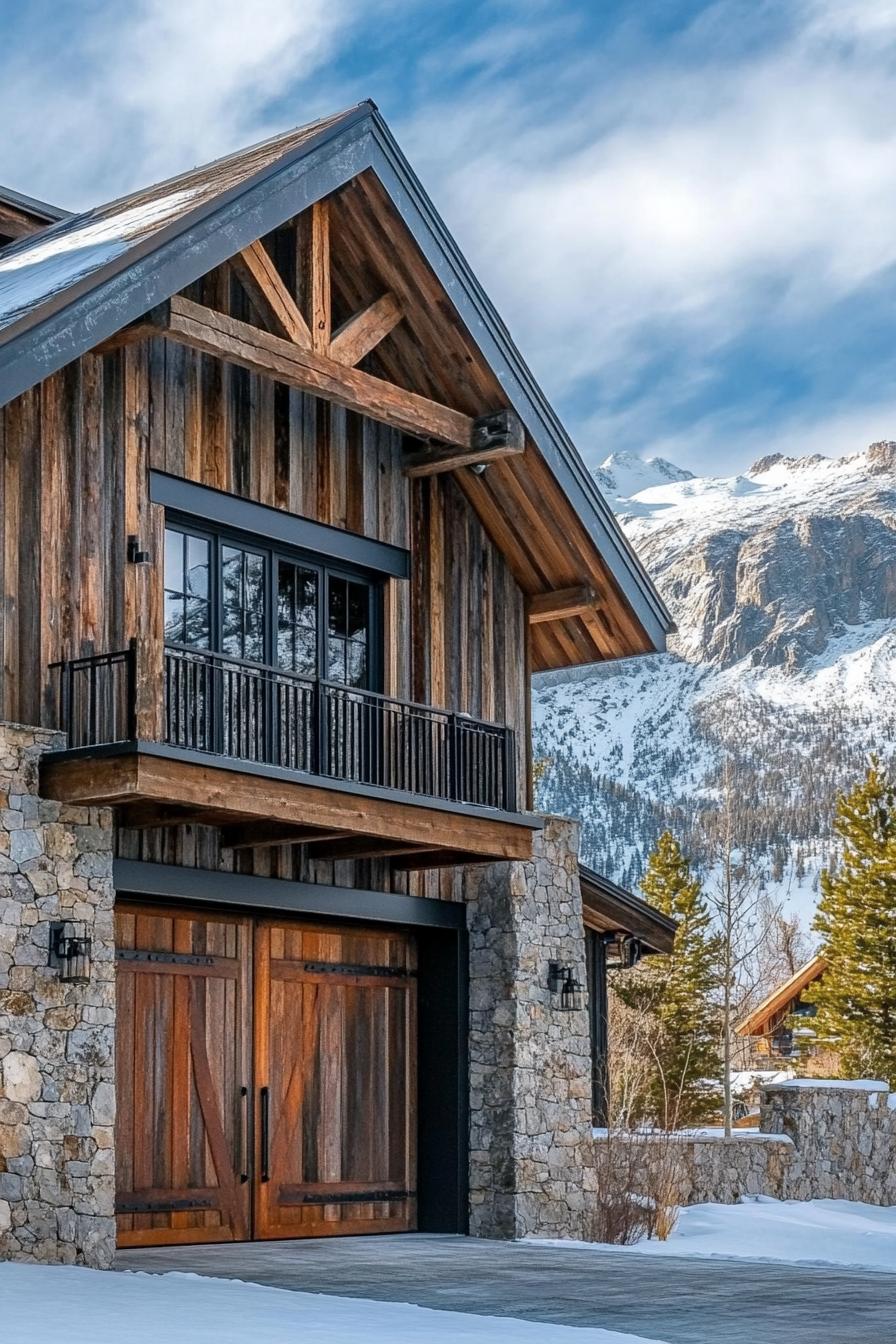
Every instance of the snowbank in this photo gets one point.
(817, 1232)
(43, 1305)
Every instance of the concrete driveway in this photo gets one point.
(680, 1301)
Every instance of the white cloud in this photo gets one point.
(147, 89)
(674, 205)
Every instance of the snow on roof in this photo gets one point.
(59, 256)
(39, 267)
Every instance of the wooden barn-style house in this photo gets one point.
(287, 528)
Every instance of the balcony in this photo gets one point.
(222, 726)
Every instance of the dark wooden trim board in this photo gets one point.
(207, 505)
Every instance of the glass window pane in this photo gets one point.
(337, 606)
(356, 663)
(197, 623)
(174, 617)
(253, 643)
(306, 597)
(174, 560)
(306, 652)
(286, 594)
(358, 609)
(335, 659)
(197, 566)
(232, 632)
(254, 597)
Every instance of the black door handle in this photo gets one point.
(244, 1135)
(265, 1100)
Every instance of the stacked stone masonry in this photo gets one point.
(531, 1153)
(57, 1095)
(817, 1140)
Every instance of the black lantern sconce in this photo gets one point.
(70, 951)
(623, 951)
(136, 554)
(563, 985)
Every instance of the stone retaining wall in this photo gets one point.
(57, 1094)
(844, 1137)
(817, 1140)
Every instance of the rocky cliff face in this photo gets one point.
(783, 585)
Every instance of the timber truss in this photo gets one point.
(302, 350)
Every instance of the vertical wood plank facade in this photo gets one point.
(75, 456)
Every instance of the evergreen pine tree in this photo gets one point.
(856, 917)
(677, 991)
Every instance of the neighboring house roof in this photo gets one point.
(612, 909)
(760, 1020)
(22, 216)
(72, 285)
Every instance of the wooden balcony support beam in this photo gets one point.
(562, 604)
(360, 847)
(213, 791)
(259, 836)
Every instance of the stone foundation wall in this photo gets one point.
(531, 1153)
(57, 1094)
(817, 1140)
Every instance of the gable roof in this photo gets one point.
(78, 282)
(758, 1021)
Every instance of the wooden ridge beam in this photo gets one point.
(262, 282)
(262, 352)
(560, 605)
(361, 333)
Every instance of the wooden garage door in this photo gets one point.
(183, 1079)
(335, 1043)
(268, 1092)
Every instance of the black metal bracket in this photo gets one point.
(498, 429)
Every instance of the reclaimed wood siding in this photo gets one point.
(75, 454)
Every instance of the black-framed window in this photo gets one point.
(243, 603)
(188, 614)
(264, 605)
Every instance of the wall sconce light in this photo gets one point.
(137, 556)
(562, 982)
(70, 951)
(623, 951)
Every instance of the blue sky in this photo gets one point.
(684, 211)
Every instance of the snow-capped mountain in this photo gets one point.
(783, 585)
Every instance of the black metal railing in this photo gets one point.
(93, 698)
(227, 707)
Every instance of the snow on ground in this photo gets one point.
(41, 1304)
(816, 1232)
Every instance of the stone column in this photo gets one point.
(57, 1085)
(531, 1151)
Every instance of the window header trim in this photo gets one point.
(207, 505)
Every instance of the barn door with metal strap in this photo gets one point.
(183, 1083)
(335, 1054)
